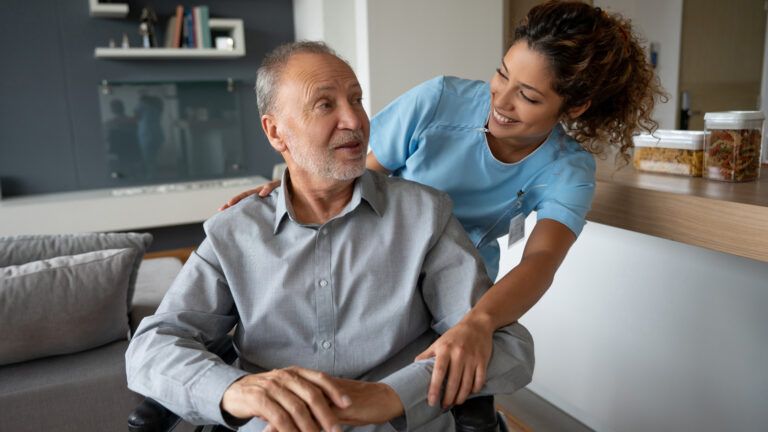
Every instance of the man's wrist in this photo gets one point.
(393, 405)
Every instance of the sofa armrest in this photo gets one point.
(154, 278)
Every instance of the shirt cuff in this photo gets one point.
(209, 389)
(411, 384)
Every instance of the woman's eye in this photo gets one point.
(498, 71)
(528, 99)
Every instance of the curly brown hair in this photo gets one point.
(596, 58)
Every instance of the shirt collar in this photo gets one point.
(365, 189)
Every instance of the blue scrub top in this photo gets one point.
(435, 135)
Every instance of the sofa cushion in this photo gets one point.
(64, 304)
(16, 250)
(86, 391)
(155, 277)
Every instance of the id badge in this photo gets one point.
(516, 230)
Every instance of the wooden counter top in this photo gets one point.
(726, 217)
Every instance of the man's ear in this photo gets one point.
(269, 125)
(575, 112)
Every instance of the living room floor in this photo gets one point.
(528, 412)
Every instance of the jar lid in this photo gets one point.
(674, 139)
(734, 119)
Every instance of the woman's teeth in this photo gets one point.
(500, 118)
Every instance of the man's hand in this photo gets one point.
(291, 399)
(371, 403)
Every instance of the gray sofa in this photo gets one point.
(63, 371)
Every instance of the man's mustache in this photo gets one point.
(346, 137)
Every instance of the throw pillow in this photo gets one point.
(63, 305)
(16, 250)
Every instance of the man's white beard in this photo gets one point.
(323, 163)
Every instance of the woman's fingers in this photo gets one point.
(467, 381)
(455, 371)
(237, 198)
(267, 188)
(438, 375)
(262, 191)
(479, 378)
(429, 353)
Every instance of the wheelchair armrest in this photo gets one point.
(150, 416)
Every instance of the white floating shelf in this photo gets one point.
(167, 53)
(107, 10)
(233, 26)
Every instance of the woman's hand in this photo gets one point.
(262, 190)
(462, 354)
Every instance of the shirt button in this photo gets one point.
(326, 345)
(324, 231)
(323, 282)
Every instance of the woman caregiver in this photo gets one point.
(575, 82)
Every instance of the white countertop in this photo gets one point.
(119, 209)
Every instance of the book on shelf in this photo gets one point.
(178, 22)
(189, 28)
(196, 27)
(169, 32)
(205, 30)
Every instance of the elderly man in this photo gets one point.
(333, 283)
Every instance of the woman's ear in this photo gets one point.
(575, 112)
(269, 125)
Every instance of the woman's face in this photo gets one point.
(524, 106)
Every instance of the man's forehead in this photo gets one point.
(320, 72)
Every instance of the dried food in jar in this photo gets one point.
(669, 160)
(733, 154)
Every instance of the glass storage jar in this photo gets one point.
(670, 152)
(732, 145)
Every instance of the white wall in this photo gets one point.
(395, 44)
(412, 41)
(639, 333)
(658, 21)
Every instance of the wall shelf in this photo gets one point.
(107, 10)
(165, 53)
(233, 26)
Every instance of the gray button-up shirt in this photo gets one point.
(356, 297)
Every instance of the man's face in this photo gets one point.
(321, 119)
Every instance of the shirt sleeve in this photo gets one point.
(569, 197)
(395, 129)
(167, 358)
(453, 279)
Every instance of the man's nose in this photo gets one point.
(350, 117)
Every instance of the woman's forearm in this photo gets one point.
(515, 293)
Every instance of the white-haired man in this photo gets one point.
(333, 283)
